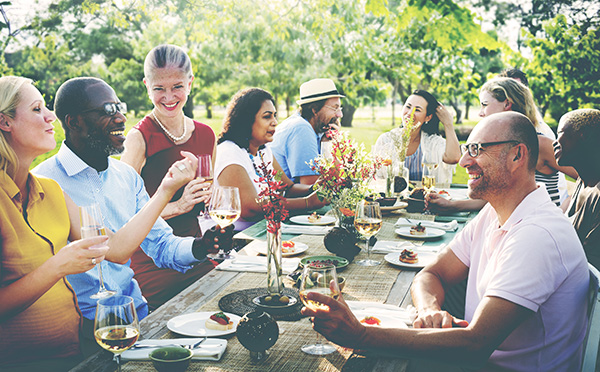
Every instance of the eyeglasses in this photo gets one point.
(335, 109)
(111, 108)
(474, 148)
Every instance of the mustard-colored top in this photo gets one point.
(50, 326)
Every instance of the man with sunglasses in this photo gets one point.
(93, 120)
(527, 274)
(299, 138)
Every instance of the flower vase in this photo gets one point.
(274, 271)
(389, 182)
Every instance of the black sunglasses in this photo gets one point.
(110, 108)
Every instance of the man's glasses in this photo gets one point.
(474, 148)
(335, 109)
(111, 108)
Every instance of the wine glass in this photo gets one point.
(116, 326)
(321, 279)
(92, 224)
(205, 171)
(367, 221)
(225, 208)
(429, 176)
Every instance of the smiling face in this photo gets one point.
(264, 125)
(488, 172)
(103, 133)
(490, 105)
(31, 130)
(330, 113)
(168, 89)
(419, 104)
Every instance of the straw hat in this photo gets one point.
(316, 90)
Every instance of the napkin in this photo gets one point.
(361, 309)
(256, 264)
(386, 246)
(448, 226)
(308, 230)
(210, 349)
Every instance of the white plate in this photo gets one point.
(303, 220)
(386, 320)
(194, 324)
(298, 248)
(398, 205)
(430, 232)
(424, 259)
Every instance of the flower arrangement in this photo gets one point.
(401, 136)
(345, 176)
(270, 198)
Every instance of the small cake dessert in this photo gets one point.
(219, 322)
(418, 193)
(418, 229)
(314, 217)
(408, 256)
(371, 320)
(288, 246)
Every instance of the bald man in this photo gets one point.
(527, 273)
(578, 145)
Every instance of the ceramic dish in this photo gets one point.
(340, 262)
(430, 232)
(303, 220)
(297, 249)
(398, 205)
(424, 259)
(193, 324)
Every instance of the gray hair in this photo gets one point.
(167, 55)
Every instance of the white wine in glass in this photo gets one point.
(92, 224)
(429, 176)
(205, 171)
(116, 326)
(320, 279)
(225, 208)
(368, 221)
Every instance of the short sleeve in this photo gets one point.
(302, 147)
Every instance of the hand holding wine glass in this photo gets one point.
(92, 224)
(321, 279)
(225, 208)
(368, 221)
(116, 326)
(205, 172)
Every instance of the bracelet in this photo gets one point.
(306, 202)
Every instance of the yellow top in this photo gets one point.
(50, 326)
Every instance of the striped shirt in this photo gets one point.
(551, 183)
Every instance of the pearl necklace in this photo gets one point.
(173, 138)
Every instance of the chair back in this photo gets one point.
(592, 337)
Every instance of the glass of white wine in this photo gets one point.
(116, 326)
(429, 176)
(205, 171)
(92, 224)
(321, 279)
(225, 208)
(367, 221)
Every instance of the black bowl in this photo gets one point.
(171, 358)
(415, 205)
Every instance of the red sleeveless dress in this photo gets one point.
(159, 285)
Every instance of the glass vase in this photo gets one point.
(274, 271)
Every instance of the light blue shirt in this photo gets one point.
(121, 193)
(294, 145)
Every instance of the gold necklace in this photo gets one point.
(173, 138)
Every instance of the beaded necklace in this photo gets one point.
(173, 138)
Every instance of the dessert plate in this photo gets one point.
(297, 249)
(193, 324)
(303, 220)
(430, 232)
(424, 259)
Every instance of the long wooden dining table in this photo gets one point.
(385, 283)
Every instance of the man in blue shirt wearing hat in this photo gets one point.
(298, 139)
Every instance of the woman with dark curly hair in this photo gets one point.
(249, 124)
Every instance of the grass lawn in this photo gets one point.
(366, 128)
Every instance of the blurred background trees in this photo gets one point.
(377, 51)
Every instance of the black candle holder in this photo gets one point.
(257, 331)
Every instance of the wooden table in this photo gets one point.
(282, 356)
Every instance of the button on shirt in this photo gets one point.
(120, 192)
